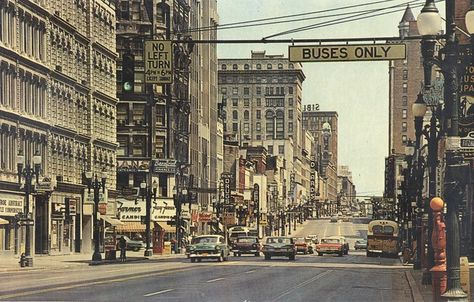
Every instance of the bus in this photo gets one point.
(240, 231)
(382, 238)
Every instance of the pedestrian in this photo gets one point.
(123, 249)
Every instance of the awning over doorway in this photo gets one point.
(3, 221)
(167, 228)
(131, 226)
(112, 220)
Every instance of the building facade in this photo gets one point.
(57, 98)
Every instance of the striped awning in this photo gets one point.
(131, 226)
(111, 220)
(3, 221)
(167, 228)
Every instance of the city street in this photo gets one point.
(328, 278)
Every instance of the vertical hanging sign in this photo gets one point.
(158, 62)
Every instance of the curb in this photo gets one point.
(106, 262)
(415, 291)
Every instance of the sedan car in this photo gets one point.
(134, 245)
(246, 245)
(360, 244)
(330, 245)
(279, 246)
(301, 245)
(208, 247)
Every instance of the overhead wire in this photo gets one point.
(223, 26)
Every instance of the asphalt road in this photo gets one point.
(310, 278)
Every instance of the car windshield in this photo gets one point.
(279, 240)
(205, 240)
(330, 240)
(246, 240)
(299, 240)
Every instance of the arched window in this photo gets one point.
(259, 66)
(246, 67)
(234, 66)
(270, 124)
(235, 114)
(224, 67)
(280, 124)
(246, 115)
(280, 66)
(269, 66)
(291, 66)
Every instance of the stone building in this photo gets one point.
(57, 98)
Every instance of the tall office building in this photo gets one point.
(57, 98)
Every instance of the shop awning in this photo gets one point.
(111, 220)
(131, 226)
(3, 221)
(167, 228)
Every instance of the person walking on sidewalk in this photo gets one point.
(123, 249)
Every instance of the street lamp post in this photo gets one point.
(148, 193)
(28, 173)
(419, 111)
(408, 179)
(94, 183)
(429, 25)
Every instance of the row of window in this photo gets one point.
(269, 102)
(11, 143)
(135, 146)
(258, 114)
(258, 66)
(282, 79)
(274, 128)
(280, 90)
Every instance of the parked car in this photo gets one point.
(208, 247)
(301, 245)
(331, 245)
(134, 245)
(279, 246)
(246, 245)
(360, 244)
(345, 244)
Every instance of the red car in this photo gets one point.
(246, 245)
(301, 245)
(331, 245)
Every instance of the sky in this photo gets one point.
(358, 91)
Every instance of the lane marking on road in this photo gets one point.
(251, 271)
(214, 280)
(160, 292)
(26, 292)
(300, 285)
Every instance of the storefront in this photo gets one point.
(10, 232)
(64, 215)
(163, 212)
(130, 214)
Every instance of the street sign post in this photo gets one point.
(332, 53)
(158, 62)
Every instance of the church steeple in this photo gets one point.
(404, 25)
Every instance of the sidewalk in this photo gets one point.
(41, 262)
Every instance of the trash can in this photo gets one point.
(111, 255)
(167, 248)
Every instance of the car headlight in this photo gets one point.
(218, 248)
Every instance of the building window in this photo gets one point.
(291, 66)
(246, 90)
(290, 90)
(405, 87)
(404, 126)
(404, 113)
(281, 149)
(235, 127)
(224, 90)
(235, 102)
(246, 67)
(258, 137)
(235, 90)
(290, 127)
(270, 149)
(280, 66)
(122, 141)
(138, 145)
(404, 139)
(290, 102)
(270, 124)
(259, 66)
(224, 67)
(246, 115)
(290, 114)
(258, 114)
(138, 113)
(246, 102)
(404, 100)
(259, 102)
(259, 90)
(234, 66)
(258, 80)
(280, 124)
(258, 126)
(405, 74)
(269, 66)
(246, 128)
(235, 115)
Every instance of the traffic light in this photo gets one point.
(128, 72)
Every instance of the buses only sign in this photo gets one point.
(158, 62)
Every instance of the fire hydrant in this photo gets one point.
(22, 260)
(438, 239)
